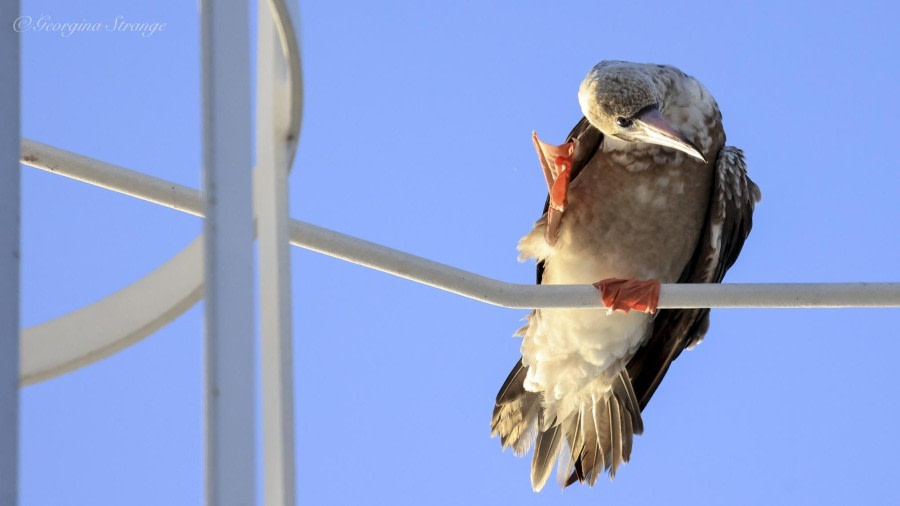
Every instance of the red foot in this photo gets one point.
(629, 294)
(556, 162)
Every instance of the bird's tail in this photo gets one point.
(516, 413)
(595, 438)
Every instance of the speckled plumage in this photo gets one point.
(634, 210)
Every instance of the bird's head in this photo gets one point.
(622, 100)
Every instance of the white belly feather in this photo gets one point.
(573, 355)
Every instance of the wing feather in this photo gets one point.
(728, 223)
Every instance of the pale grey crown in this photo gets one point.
(613, 90)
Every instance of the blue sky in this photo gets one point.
(416, 135)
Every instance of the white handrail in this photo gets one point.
(452, 279)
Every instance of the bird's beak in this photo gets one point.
(655, 129)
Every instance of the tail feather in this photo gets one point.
(546, 449)
(615, 434)
(574, 446)
(516, 412)
(598, 437)
(514, 386)
(625, 392)
(590, 463)
(523, 433)
(627, 428)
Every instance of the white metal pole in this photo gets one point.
(273, 150)
(452, 279)
(230, 378)
(9, 257)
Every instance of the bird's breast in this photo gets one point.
(631, 215)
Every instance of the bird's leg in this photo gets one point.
(629, 294)
(556, 162)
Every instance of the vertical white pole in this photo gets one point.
(228, 228)
(271, 202)
(9, 256)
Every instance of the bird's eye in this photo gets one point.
(624, 122)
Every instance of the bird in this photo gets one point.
(644, 191)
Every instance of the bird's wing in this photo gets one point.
(587, 141)
(728, 222)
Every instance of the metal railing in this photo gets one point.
(133, 313)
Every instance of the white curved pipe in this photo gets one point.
(97, 331)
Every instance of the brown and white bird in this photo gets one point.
(644, 189)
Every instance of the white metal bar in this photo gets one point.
(273, 150)
(468, 284)
(228, 231)
(523, 296)
(111, 177)
(9, 257)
